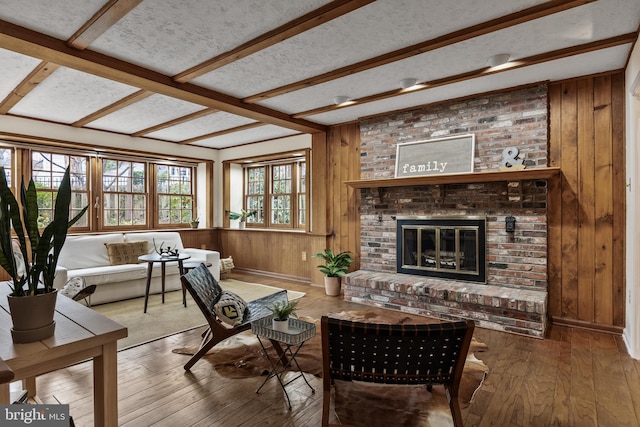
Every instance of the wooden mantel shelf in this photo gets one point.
(465, 178)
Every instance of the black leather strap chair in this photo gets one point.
(395, 354)
(205, 291)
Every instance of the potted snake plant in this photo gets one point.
(30, 257)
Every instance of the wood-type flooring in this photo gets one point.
(573, 378)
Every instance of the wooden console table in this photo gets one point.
(81, 334)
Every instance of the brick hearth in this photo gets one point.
(521, 311)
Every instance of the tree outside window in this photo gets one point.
(281, 194)
(47, 170)
(124, 193)
(255, 194)
(284, 204)
(175, 194)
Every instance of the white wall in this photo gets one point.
(631, 334)
(97, 139)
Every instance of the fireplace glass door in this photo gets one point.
(453, 249)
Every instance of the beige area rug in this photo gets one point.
(162, 320)
(241, 356)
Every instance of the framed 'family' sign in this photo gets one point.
(436, 156)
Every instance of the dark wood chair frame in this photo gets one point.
(426, 354)
(204, 290)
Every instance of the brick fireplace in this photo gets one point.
(513, 296)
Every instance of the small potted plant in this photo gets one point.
(195, 222)
(335, 266)
(242, 216)
(282, 310)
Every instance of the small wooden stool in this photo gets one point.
(187, 267)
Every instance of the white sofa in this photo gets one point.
(86, 256)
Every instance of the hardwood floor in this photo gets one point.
(573, 378)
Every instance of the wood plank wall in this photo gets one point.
(335, 218)
(343, 203)
(587, 202)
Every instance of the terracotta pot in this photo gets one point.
(32, 317)
(332, 286)
(280, 325)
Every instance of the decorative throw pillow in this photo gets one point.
(72, 287)
(226, 264)
(126, 253)
(230, 308)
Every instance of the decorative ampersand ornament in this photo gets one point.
(510, 157)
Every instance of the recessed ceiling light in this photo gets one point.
(341, 99)
(499, 59)
(408, 82)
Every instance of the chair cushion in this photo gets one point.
(110, 274)
(230, 308)
(87, 251)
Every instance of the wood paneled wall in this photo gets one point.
(281, 253)
(335, 218)
(343, 203)
(587, 202)
(200, 238)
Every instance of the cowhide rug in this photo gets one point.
(241, 356)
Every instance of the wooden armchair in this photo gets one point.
(205, 291)
(395, 354)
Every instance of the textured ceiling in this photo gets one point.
(231, 72)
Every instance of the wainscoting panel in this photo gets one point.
(275, 252)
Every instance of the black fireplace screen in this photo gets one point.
(451, 248)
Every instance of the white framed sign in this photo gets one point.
(440, 156)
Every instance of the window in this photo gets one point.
(277, 191)
(174, 186)
(255, 193)
(47, 170)
(122, 192)
(302, 194)
(124, 185)
(6, 161)
(281, 194)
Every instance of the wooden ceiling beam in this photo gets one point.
(46, 48)
(29, 83)
(174, 122)
(525, 62)
(104, 19)
(304, 23)
(222, 132)
(127, 100)
(529, 14)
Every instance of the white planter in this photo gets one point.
(280, 325)
(241, 225)
(332, 285)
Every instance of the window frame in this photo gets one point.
(158, 194)
(28, 166)
(295, 161)
(22, 157)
